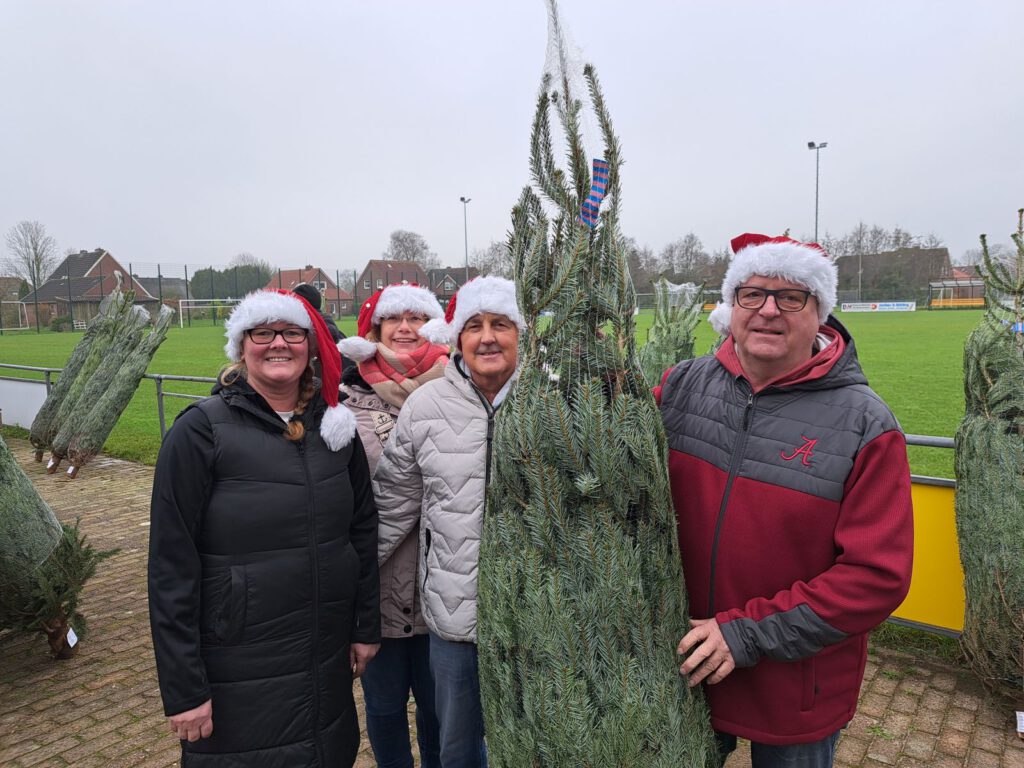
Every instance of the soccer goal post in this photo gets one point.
(13, 316)
(214, 310)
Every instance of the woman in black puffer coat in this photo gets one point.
(263, 581)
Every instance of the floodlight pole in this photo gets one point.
(817, 168)
(465, 231)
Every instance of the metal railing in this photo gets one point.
(159, 378)
(932, 441)
(927, 441)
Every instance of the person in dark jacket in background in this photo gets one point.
(312, 294)
(263, 578)
(394, 361)
(792, 490)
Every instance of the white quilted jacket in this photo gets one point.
(434, 471)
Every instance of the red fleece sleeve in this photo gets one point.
(874, 541)
(657, 390)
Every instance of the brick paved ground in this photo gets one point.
(103, 708)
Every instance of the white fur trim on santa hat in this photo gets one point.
(795, 262)
(357, 348)
(486, 294)
(261, 307)
(436, 331)
(338, 427)
(396, 299)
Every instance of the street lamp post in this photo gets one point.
(465, 231)
(817, 167)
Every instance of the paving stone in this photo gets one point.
(960, 719)
(885, 751)
(919, 745)
(904, 702)
(912, 686)
(852, 749)
(953, 743)
(944, 681)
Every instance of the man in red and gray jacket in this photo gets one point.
(792, 491)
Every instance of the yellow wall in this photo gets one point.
(936, 596)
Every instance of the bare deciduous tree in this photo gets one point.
(32, 254)
(411, 246)
(495, 259)
(246, 259)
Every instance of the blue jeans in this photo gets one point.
(817, 754)
(457, 690)
(400, 665)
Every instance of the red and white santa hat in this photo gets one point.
(781, 257)
(389, 301)
(338, 426)
(481, 294)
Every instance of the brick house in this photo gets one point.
(78, 285)
(380, 272)
(336, 301)
(445, 281)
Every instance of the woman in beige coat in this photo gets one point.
(393, 361)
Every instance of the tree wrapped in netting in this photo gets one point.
(41, 434)
(126, 338)
(581, 600)
(990, 479)
(121, 311)
(43, 564)
(671, 339)
(102, 418)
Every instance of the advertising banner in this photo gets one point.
(879, 306)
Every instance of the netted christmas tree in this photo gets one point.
(123, 341)
(44, 425)
(671, 338)
(990, 479)
(581, 600)
(43, 564)
(102, 417)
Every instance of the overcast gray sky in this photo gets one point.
(306, 132)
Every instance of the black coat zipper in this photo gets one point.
(734, 468)
(315, 645)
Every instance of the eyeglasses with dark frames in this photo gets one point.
(267, 335)
(786, 299)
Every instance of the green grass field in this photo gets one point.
(913, 360)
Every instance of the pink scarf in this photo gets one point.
(393, 375)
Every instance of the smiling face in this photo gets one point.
(275, 367)
(490, 347)
(401, 332)
(770, 342)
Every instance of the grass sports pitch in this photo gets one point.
(914, 360)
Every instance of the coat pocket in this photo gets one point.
(427, 536)
(809, 684)
(223, 601)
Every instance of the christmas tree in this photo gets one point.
(44, 564)
(102, 418)
(124, 340)
(98, 350)
(990, 479)
(581, 600)
(43, 425)
(671, 338)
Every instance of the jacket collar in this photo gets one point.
(457, 374)
(240, 394)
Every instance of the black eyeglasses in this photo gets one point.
(267, 335)
(786, 299)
